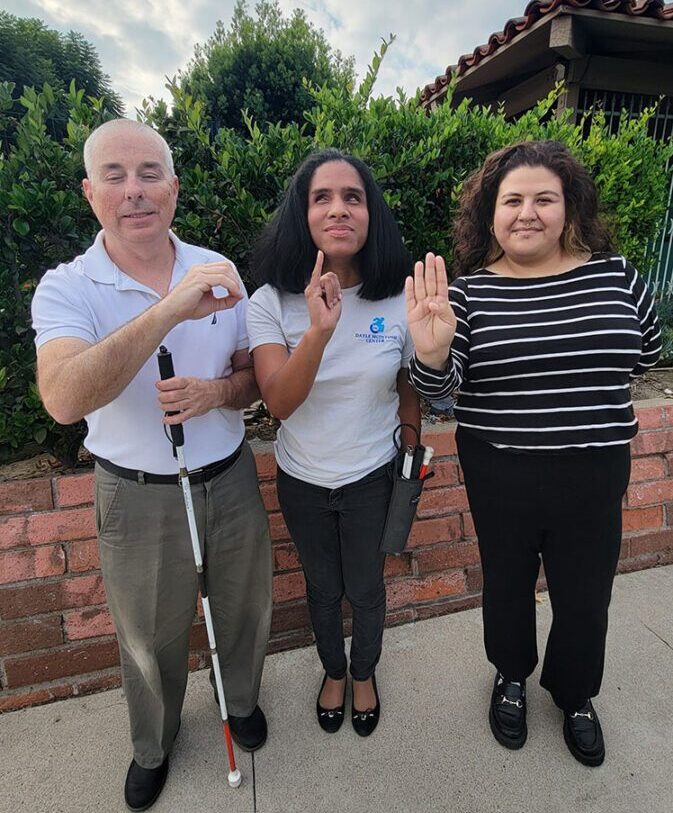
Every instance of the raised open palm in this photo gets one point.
(432, 322)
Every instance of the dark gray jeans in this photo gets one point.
(150, 580)
(337, 533)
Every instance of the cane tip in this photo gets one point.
(234, 778)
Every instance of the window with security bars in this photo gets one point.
(614, 104)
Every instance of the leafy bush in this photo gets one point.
(230, 184)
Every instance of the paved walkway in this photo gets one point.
(432, 751)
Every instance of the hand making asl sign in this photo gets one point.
(323, 297)
(432, 322)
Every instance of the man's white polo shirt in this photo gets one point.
(88, 299)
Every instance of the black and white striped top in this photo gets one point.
(543, 364)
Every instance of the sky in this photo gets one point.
(140, 42)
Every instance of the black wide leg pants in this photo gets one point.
(563, 509)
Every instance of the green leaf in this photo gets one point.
(21, 227)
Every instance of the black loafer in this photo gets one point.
(507, 713)
(584, 736)
(249, 732)
(364, 722)
(143, 785)
(330, 719)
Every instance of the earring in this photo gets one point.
(490, 228)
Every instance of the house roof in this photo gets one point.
(535, 10)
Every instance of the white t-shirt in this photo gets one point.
(344, 429)
(90, 298)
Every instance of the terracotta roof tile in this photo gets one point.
(536, 9)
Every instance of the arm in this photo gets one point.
(192, 396)
(409, 411)
(76, 377)
(285, 379)
(649, 324)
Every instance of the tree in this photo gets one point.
(32, 55)
(260, 65)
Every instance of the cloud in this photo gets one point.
(139, 43)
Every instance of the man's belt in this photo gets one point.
(202, 475)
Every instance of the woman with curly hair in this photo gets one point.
(539, 332)
(329, 337)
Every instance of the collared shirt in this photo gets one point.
(88, 299)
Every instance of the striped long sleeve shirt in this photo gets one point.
(543, 364)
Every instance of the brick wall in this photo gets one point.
(56, 636)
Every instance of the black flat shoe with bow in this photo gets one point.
(364, 722)
(330, 719)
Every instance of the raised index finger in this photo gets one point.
(317, 270)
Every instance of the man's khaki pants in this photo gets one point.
(151, 584)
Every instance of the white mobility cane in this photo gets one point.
(178, 436)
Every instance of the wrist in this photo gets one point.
(165, 314)
(220, 392)
(318, 336)
(436, 361)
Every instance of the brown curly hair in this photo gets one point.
(474, 244)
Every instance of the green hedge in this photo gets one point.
(229, 185)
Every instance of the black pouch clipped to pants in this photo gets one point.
(404, 500)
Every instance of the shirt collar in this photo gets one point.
(99, 267)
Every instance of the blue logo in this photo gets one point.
(377, 325)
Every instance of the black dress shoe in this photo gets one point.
(249, 732)
(583, 735)
(330, 719)
(143, 785)
(364, 722)
(507, 714)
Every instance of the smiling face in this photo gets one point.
(338, 218)
(529, 214)
(130, 189)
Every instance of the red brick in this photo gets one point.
(652, 493)
(625, 549)
(650, 417)
(281, 643)
(38, 563)
(198, 638)
(72, 660)
(25, 495)
(668, 415)
(410, 591)
(647, 468)
(288, 586)
(445, 606)
(468, 525)
(290, 617)
(475, 580)
(446, 474)
(266, 466)
(74, 489)
(444, 443)
(278, 528)
(447, 557)
(285, 557)
(398, 617)
(13, 532)
(434, 531)
(397, 566)
(637, 563)
(669, 462)
(46, 597)
(83, 556)
(26, 636)
(640, 519)
(269, 496)
(89, 623)
(439, 501)
(61, 526)
(19, 699)
(652, 442)
(652, 543)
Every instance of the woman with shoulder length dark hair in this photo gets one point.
(330, 343)
(540, 333)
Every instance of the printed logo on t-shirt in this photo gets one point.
(375, 335)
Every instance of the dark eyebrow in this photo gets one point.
(544, 192)
(356, 189)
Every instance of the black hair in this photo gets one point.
(284, 254)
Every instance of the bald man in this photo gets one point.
(99, 321)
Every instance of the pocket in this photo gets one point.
(107, 496)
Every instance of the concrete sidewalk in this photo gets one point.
(432, 751)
